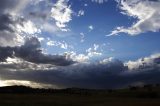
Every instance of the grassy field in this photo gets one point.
(73, 100)
(124, 97)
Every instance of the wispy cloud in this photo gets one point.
(91, 52)
(99, 1)
(80, 13)
(145, 11)
(62, 45)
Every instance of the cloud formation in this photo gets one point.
(144, 63)
(14, 28)
(62, 14)
(31, 51)
(87, 75)
(108, 73)
(93, 51)
(62, 45)
(145, 11)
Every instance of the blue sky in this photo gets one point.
(79, 43)
(103, 17)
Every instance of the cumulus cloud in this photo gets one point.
(144, 63)
(61, 12)
(28, 28)
(62, 45)
(93, 51)
(145, 11)
(77, 57)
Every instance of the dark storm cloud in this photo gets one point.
(31, 51)
(8, 22)
(5, 21)
(95, 75)
(9, 35)
(5, 52)
(7, 5)
(89, 75)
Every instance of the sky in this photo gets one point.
(94, 44)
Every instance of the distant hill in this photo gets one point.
(146, 91)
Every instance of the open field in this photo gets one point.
(72, 100)
(80, 97)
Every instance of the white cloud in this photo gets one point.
(80, 13)
(62, 45)
(94, 53)
(85, 5)
(62, 14)
(82, 37)
(90, 27)
(81, 58)
(77, 57)
(100, 1)
(107, 60)
(91, 52)
(41, 39)
(145, 11)
(28, 28)
(146, 62)
(21, 64)
(49, 27)
(95, 47)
